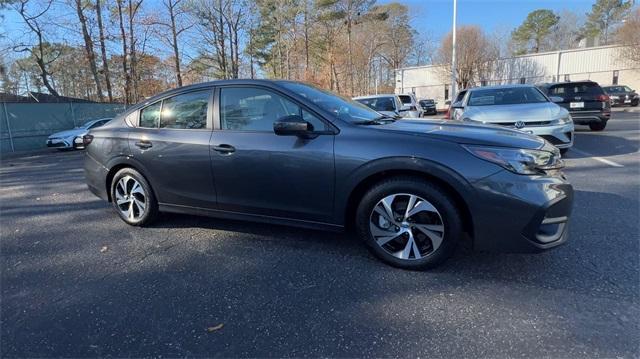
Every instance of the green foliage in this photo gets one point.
(535, 29)
(604, 15)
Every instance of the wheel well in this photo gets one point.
(362, 187)
(112, 172)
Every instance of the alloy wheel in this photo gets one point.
(131, 198)
(406, 226)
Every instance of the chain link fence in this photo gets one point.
(26, 126)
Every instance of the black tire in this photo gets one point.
(563, 151)
(597, 126)
(440, 199)
(150, 212)
(634, 104)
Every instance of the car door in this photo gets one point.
(171, 143)
(258, 172)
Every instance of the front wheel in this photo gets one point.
(409, 223)
(598, 126)
(132, 197)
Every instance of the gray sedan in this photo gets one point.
(284, 152)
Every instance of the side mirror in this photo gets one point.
(292, 125)
(405, 108)
(556, 99)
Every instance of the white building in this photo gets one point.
(603, 64)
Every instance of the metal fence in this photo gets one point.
(25, 126)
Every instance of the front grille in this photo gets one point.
(554, 140)
(526, 124)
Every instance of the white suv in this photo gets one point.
(414, 108)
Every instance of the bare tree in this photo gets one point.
(176, 25)
(474, 54)
(88, 46)
(38, 51)
(629, 35)
(123, 36)
(103, 51)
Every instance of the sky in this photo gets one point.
(431, 18)
(434, 17)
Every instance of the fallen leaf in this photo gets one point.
(214, 328)
(103, 249)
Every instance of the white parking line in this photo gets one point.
(600, 159)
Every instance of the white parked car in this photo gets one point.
(64, 139)
(414, 110)
(521, 107)
(387, 104)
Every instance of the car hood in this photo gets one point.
(67, 133)
(466, 133)
(527, 112)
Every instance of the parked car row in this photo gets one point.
(399, 106)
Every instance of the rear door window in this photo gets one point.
(186, 111)
(405, 99)
(575, 89)
(150, 116)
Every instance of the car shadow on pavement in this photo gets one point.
(601, 145)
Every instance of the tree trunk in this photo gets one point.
(88, 46)
(132, 49)
(174, 35)
(103, 50)
(125, 71)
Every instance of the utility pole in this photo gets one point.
(453, 53)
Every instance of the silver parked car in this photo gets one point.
(386, 104)
(522, 107)
(64, 139)
(414, 108)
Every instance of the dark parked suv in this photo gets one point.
(289, 153)
(622, 95)
(585, 100)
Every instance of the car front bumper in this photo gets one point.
(518, 213)
(59, 142)
(560, 136)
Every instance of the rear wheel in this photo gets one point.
(598, 126)
(563, 150)
(409, 223)
(133, 197)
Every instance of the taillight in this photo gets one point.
(603, 98)
(86, 140)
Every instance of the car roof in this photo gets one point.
(496, 87)
(549, 84)
(374, 96)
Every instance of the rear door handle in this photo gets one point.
(144, 144)
(224, 149)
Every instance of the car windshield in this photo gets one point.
(613, 89)
(506, 96)
(344, 108)
(378, 103)
(426, 102)
(88, 124)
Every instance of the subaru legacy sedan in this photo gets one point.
(288, 153)
(521, 107)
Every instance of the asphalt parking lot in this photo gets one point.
(76, 281)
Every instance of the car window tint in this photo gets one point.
(150, 116)
(254, 109)
(186, 111)
(405, 99)
(379, 103)
(575, 89)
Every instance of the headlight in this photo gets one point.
(562, 121)
(517, 160)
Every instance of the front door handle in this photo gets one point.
(144, 144)
(224, 149)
